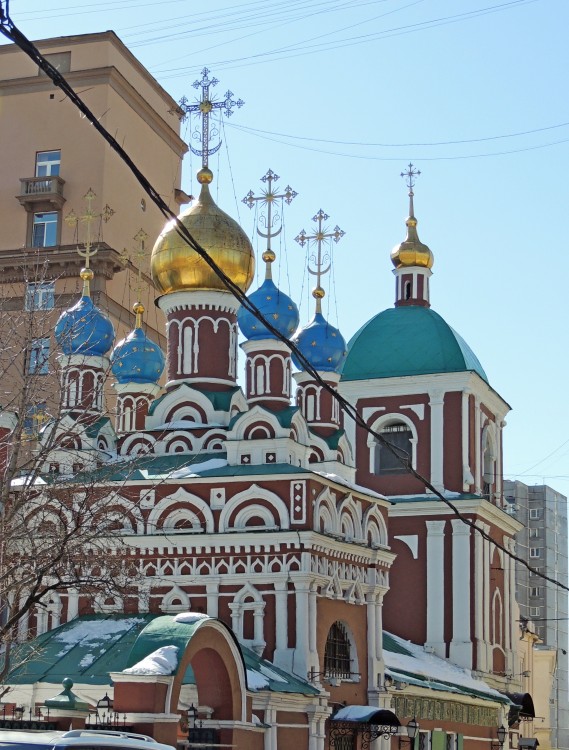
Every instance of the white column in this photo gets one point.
(372, 665)
(479, 567)
(461, 644)
(259, 642)
(486, 599)
(477, 471)
(281, 624)
(312, 618)
(271, 733)
(499, 478)
(379, 629)
(435, 587)
(301, 651)
(466, 471)
(72, 604)
(437, 435)
(212, 594)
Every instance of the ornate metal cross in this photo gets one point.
(411, 175)
(267, 198)
(321, 260)
(205, 106)
(140, 254)
(88, 218)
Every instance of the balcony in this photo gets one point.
(41, 193)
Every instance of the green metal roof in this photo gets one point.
(408, 340)
(86, 649)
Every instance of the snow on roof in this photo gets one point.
(184, 424)
(162, 661)
(94, 633)
(191, 470)
(419, 662)
(352, 485)
(256, 681)
(190, 617)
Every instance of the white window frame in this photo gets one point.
(534, 611)
(534, 533)
(40, 296)
(46, 167)
(38, 222)
(534, 591)
(535, 552)
(534, 514)
(38, 360)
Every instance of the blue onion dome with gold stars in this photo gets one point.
(84, 329)
(177, 267)
(276, 306)
(137, 359)
(322, 345)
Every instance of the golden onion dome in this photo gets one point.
(412, 252)
(176, 266)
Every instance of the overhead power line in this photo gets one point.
(8, 29)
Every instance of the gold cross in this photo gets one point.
(140, 254)
(267, 198)
(319, 262)
(205, 106)
(88, 218)
(411, 174)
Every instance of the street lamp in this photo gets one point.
(501, 733)
(412, 732)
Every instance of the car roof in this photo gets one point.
(78, 737)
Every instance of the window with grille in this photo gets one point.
(399, 436)
(337, 662)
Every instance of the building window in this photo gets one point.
(40, 296)
(44, 229)
(61, 61)
(35, 418)
(534, 552)
(533, 533)
(535, 572)
(534, 514)
(535, 591)
(48, 163)
(534, 611)
(38, 361)
(337, 661)
(399, 436)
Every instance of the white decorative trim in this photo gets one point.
(418, 409)
(254, 493)
(198, 300)
(412, 541)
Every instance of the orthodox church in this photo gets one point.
(303, 587)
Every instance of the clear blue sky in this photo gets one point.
(340, 95)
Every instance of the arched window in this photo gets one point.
(399, 435)
(407, 292)
(337, 656)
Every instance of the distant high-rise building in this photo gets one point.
(543, 544)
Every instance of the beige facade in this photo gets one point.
(52, 156)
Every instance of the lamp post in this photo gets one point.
(412, 732)
(501, 734)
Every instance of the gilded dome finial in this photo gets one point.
(411, 252)
(319, 260)
(273, 218)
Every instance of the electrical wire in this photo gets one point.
(8, 29)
